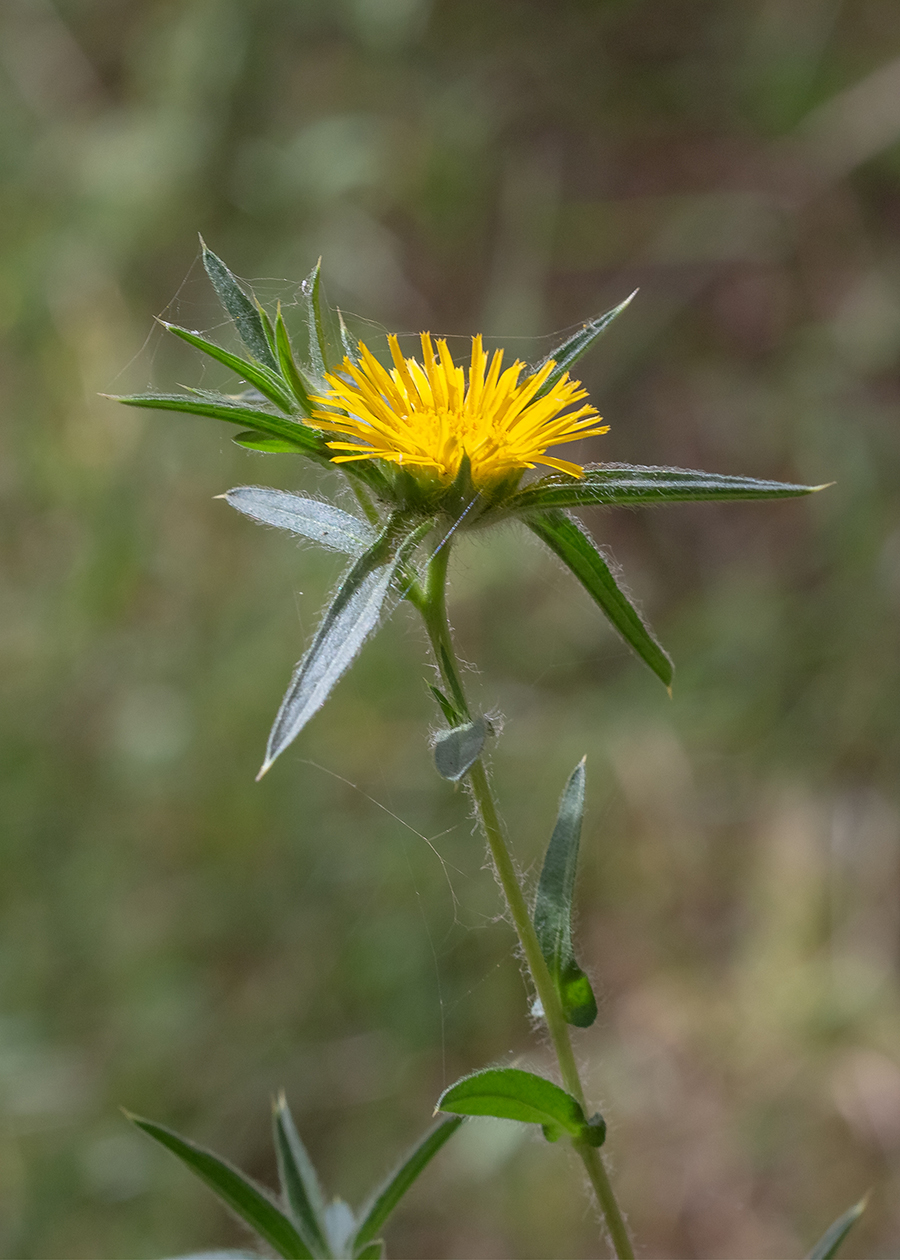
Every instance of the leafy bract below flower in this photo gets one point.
(427, 451)
(427, 418)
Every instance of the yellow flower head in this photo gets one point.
(426, 416)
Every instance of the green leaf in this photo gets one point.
(268, 445)
(453, 718)
(630, 485)
(340, 1224)
(386, 1198)
(827, 1246)
(553, 907)
(266, 322)
(299, 1182)
(239, 307)
(571, 350)
(268, 383)
(252, 1203)
(349, 346)
(374, 1251)
(563, 536)
(348, 622)
(289, 370)
(456, 750)
(310, 441)
(311, 292)
(308, 518)
(511, 1094)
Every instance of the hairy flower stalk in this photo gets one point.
(430, 449)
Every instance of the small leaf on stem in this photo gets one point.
(457, 750)
(553, 907)
(511, 1094)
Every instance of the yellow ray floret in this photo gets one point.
(426, 416)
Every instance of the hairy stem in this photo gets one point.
(434, 612)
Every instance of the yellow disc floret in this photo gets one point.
(426, 416)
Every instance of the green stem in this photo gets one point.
(434, 611)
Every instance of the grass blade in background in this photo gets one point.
(553, 906)
(385, 1199)
(827, 1246)
(564, 537)
(252, 1203)
(246, 317)
(299, 1180)
(307, 518)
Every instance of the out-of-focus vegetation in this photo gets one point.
(180, 940)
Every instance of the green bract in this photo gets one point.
(410, 513)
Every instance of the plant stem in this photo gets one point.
(434, 612)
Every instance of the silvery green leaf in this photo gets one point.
(554, 903)
(299, 1182)
(571, 350)
(630, 485)
(457, 750)
(311, 292)
(308, 518)
(340, 1225)
(245, 315)
(827, 1246)
(352, 616)
(386, 1198)
(563, 536)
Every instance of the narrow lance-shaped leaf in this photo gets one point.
(827, 1246)
(251, 1202)
(267, 325)
(267, 445)
(308, 518)
(629, 485)
(289, 369)
(457, 750)
(511, 1094)
(348, 622)
(299, 1181)
(268, 383)
(563, 536)
(376, 1212)
(374, 1251)
(340, 1225)
(245, 315)
(553, 907)
(301, 435)
(571, 350)
(311, 292)
(349, 346)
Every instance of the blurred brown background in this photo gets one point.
(179, 940)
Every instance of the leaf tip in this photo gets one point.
(264, 768)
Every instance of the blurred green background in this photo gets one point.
(179, 940)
